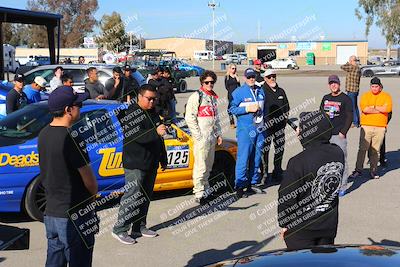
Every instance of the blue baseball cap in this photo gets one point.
(249, 72)
(65, 96)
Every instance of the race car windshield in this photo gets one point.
(25, 123)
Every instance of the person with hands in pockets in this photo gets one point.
(202, 119)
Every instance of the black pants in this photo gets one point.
(382, 151)
(294, 241)
(278, 137)
(135, 202)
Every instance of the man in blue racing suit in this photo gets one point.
(247, 104)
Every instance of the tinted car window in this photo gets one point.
(25, 123)
(95, 127)
(47, 74)
(78, 76)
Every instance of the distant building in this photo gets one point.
(185, 47)
(326, 52)
(90, 54)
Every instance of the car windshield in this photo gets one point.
(25, 123)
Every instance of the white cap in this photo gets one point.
(39, 80)
(268, 72)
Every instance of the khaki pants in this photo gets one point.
(370, 138)
(204, 152)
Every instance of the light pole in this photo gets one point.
(213, 5)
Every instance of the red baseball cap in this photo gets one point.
(257, 62)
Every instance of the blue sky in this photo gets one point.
(239, 20)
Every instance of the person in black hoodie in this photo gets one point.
(308, 194)
(143, 151)
(276, 109)
(167, 99)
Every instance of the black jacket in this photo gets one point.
(230, 85)
(143, 148)
(308, 194)
(276, 107)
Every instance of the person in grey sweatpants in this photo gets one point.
(338, 107)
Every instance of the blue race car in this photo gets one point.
(102, 135)
(187, 67)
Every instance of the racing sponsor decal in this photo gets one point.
(111, 162)
(178, 156)
(19, 161)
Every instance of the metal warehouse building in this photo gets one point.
(326, 52)
(185, 47)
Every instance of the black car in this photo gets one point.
(322, 256)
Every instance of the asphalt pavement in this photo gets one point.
(193, 236)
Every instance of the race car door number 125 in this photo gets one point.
(178, 157)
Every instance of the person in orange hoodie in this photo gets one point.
(375, 108)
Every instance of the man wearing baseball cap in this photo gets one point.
(16, 98)
(259, 71)
(69, 183)
(339, 108)
(247, 105)
(32, 90)
(130, 85)
(276, 112)
(375, 108)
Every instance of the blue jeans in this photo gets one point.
(172, 104)
(356, 113)
(65, 244)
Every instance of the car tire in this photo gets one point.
(289, 67)
(35, 201)
(368, 73)
(223, 169)
(182, 87)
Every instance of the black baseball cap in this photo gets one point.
(117, 69)
(127, 68)
(19, 78)
(65, 96)
(377, 81)
(333, 79)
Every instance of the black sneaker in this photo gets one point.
(355, 174)
(201, 201)
(256, 189)
(277, 175)
(240, 193)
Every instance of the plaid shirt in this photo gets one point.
(352, 77)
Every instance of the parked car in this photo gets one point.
(242, 55)
(196, 70)
(391, 67)
(327, 256)
(283, 63)
(232, 58)
(33, 63)
(20, 185)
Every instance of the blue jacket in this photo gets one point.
(242, 97)
(32, 94)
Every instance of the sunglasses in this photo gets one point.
(251, 77)
(150, 98)
(208, 82)
(271, 76)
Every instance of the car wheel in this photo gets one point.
(368, 73)
(35, 200)
(289, 67)
(223, 170)
(182, 88)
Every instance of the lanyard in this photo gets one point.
(255, 98)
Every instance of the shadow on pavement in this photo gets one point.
(385, 242)
(2, 259)
(14, 217)
(214, 255)
(199, 210)
(393, 163)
